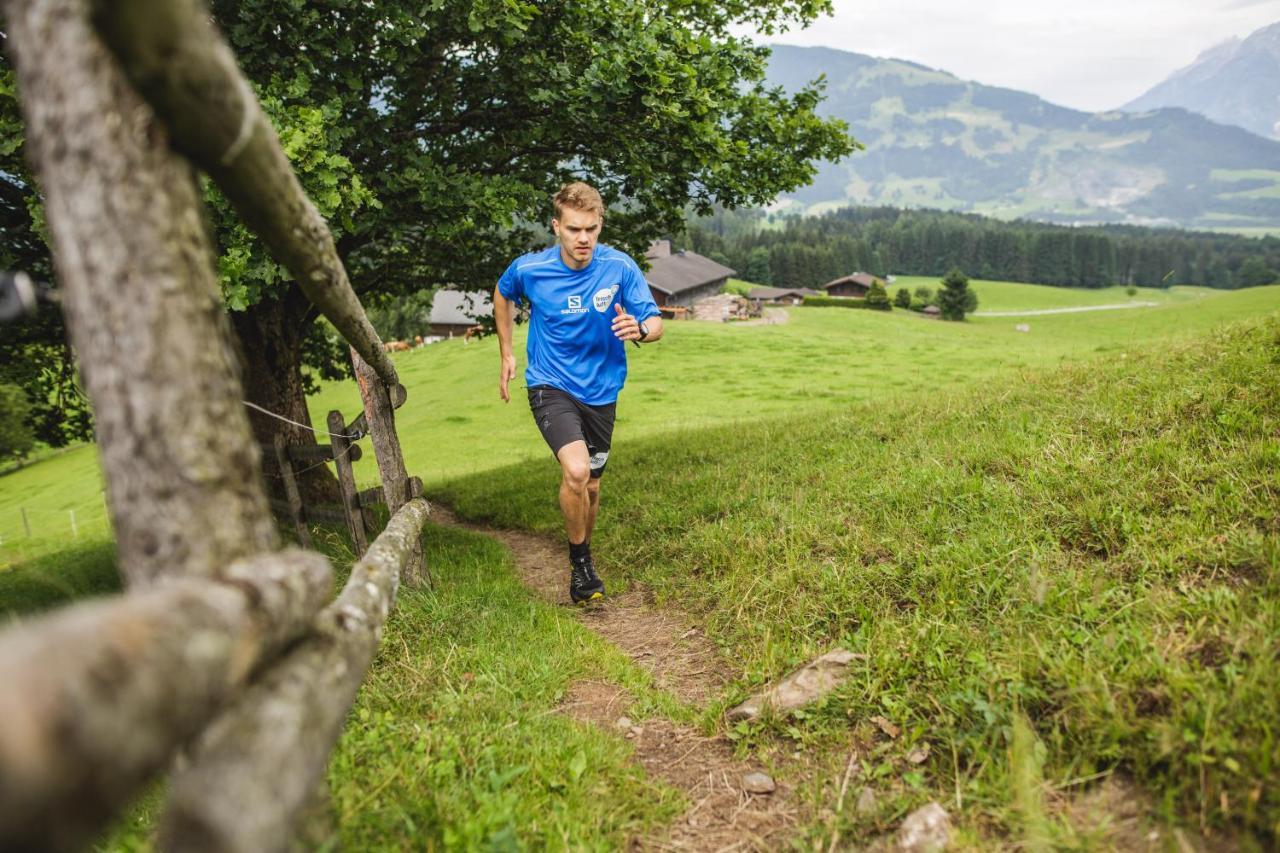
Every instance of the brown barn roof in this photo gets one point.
(862, 278)
(676, 273)
(779, 292)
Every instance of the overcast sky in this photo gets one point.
(1088, 54)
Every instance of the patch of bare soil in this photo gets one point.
(681, 659)
(769, 317)
(723, 816)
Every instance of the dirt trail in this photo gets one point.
(723, 816)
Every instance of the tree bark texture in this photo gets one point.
(253, 771)
(380, 417)
(98, 697)
(183, 67)
(270, 335)
(134, 260)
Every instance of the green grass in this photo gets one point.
(49, 491)
(1059, 550)
(1096, 548)
(454, 743)
(701, 374)
(709, 373)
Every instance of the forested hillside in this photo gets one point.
(805, 252)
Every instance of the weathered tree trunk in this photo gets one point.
(253, 772)
(270, 335)
(97, 697)
(135, 264)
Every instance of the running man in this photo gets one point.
(586, 301)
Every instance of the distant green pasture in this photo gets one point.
(1008, 296)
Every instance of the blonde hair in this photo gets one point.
(578, 196)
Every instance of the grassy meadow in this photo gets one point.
(1059, 550)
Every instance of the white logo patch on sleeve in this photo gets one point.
(603, 298)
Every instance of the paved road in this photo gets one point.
(1075, 310)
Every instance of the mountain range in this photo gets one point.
(1236, 82)
(934, 140)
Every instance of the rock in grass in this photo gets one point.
(758, 783)
(867, 802)
(925, 830)
(807, 684)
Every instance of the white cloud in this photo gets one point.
(1092, 55)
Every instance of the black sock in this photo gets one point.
(579, 552)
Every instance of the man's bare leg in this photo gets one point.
(575, 499)
(579, 498)
(593, 504)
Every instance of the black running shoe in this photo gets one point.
(584, 584)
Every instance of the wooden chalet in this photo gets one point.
(682, 278)
(856, 285)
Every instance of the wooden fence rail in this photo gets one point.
(98, 697)
(254, 770)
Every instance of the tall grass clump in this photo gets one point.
(1094, 549)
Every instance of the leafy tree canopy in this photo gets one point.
(16, 436)
(435, 133)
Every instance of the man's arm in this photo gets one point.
(627, 328)
(654, 325)
(504, 320)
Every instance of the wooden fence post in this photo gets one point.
(380, 403)
(291, 492)
(347, 482)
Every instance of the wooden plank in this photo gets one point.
(379, 413)
(371, 497)
(292, 496)
(347, 481)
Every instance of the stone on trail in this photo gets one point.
(758, 783)
(867, 802)
(623, 722)
(925, 830)
(807, 684)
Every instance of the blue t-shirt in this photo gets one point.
(571, 341)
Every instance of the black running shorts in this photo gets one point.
(563, 419)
